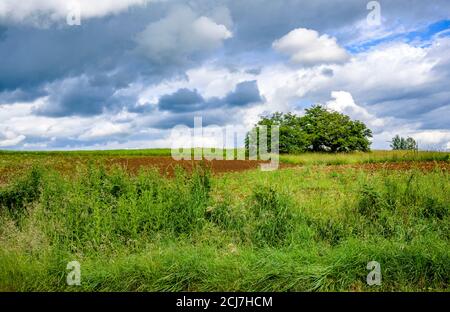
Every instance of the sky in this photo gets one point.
(113, 74)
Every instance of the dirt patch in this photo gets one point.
(167, 165)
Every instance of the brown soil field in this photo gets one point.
(167, 165)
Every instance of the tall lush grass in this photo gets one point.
(360, 157)
(293, 229)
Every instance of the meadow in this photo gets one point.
(310, 226)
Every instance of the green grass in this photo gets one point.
(360, 157)
(296, 229)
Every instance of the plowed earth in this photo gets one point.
(166, 165)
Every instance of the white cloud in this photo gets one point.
(208, 30)
(10, 138)
(104, 129)
(390, 67)
(180, 34)
(395, 87)
(386, 128)
(343, 103)
(433, 138)
(38, 11)
(17, 123)
(208, 80)
(306, 47)
(361, 32)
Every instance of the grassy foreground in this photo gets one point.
(306, 228)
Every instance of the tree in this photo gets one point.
(319, 130)
(397, 143)
(400, 143)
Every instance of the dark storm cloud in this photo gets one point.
(34, 60)
(3, 30)
(422, 109)
(77, 97)
(184, 105)
(21, 95)
(245, 93)
(42, 57)
(184, 100)
(328, 72)
(32, 55)
(436, 119)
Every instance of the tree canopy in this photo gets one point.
(319, 130)
(400, 143)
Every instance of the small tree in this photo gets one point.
(400, 143)
(397, 143)
(411, 144)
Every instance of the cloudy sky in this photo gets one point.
(134, 69)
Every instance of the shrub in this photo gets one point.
(434, 208)
(22, 192)
(369, 202)
(222, 215)
(102, 206)
(272, 215)
(187, 198)
(328, 230)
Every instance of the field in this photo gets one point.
(139, 221)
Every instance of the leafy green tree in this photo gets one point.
(411, 144)
(397, 143)
(292, 138)
(400, 143)
(319, 130)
